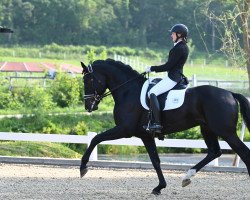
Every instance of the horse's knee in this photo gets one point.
(218, 154)
(214, 154)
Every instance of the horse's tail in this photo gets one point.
(244, 108)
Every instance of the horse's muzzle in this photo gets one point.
(92, 106)
(91, 110)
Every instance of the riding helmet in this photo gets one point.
(180, 29)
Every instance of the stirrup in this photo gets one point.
(154, 133)
(160, 136)
(155, 127)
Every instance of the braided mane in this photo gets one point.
(118, 64)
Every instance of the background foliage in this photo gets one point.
(94, 28)
(133, 23)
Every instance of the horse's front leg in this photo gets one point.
(154, 157)
(111, 134)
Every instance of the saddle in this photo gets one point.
(169, 100)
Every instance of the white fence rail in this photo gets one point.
(240, 84)
(38, 137)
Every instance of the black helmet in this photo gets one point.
(180, 29)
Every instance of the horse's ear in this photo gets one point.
(84, 68)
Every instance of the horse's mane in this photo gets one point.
(118, 64)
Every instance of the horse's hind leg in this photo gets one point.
(240, 148)
(214, 151)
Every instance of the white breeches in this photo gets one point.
(163, 86)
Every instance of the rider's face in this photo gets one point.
(173, 36)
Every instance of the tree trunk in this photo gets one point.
(244, 19)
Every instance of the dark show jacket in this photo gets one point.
(176, 60)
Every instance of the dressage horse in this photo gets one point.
(215, 110)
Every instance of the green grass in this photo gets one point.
(36, 149)
(63, 124)
(216, 73)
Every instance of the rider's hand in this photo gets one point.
(148, 69)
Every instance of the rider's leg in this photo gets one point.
(163, 86)
(155, 107)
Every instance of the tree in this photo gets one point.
(134, 23)
(231, 24)
(243, 9)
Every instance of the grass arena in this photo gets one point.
(25, 181)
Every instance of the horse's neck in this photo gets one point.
(124, 86)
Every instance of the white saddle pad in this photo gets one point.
(175, 98)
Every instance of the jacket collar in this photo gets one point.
(178, 42)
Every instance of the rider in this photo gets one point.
(174, 66)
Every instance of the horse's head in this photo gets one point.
(94, 86)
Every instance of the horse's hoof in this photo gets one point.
(83, 171)
(186, 182)
(156, 192)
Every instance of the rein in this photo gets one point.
(97, 97)
(114, 89)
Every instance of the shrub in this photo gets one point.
(53, 48)
(65, 90)
(51, 128)
(193, 133)
(9, 101)
(103, 55)
(115, 149)
(91, 56)
(80, 129)
(34, 97)
(19, 128)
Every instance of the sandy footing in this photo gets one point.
(53, 182)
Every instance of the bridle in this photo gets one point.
(97, 97)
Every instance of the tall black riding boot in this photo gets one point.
(155, 107)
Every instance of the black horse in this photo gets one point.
(215, 110)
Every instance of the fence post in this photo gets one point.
(93, 156)
(192, 63)
(44, 82)
(194, 80)
(215, 162)
(226, 63)
(204, 63)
